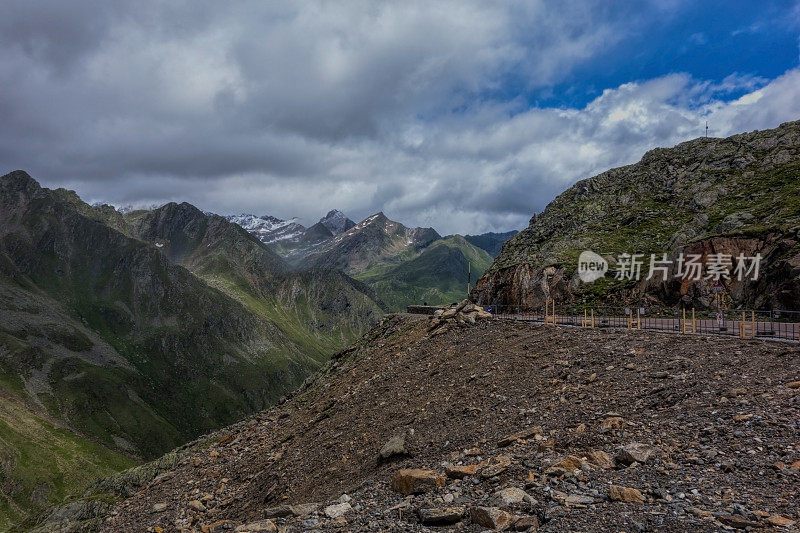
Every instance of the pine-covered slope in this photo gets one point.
(707, 196)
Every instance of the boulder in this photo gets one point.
(461, 471)
(197, 505)
(635, 452)
(565, 466)
(337, 510)
(440, 516)
(496, 466)
(525, 434)
(599, 458)
(509, 496)
(491, 517)
(625, 494)
(416, 480)
(394, 447)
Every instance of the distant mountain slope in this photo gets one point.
(439, 274)
(374, 239)
(403, 265)
(491, 242)
(704, 197)
(116, 342)
(321, 311)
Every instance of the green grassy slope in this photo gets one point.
(42, 463)
(437, 275)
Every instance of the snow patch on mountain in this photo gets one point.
(269, 229)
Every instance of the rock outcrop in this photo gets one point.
(739, 195)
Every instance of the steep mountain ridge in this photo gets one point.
(374, 239)
(440, 273)
(706, 196)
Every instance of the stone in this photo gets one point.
(613, 422)
(795, 465)
(279, 511)
(579, 499)
(262, 526)
(197, 505)
(416, 480)
(736, 521)
(394, 447)
(461, 471)
(793, 384)
(566, 465)
(509, 496)
(635, 452)
(440, 516)
(520, 435)
(780, 521)
(337, 510)
(599, 458)
(159, 507)
(625, 494)
(303, 509)
(526, 523)
(490, 517)
(496, 466)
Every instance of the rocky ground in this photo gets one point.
(503, 425)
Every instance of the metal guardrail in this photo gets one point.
(744, 323)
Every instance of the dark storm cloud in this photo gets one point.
(293, 108)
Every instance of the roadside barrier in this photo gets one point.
(771, 324)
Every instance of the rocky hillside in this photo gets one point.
(707, 196)
(500, 425)
(109, 343)
(376, 239)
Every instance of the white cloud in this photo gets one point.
(295, 108)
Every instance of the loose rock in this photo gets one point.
(416, 480)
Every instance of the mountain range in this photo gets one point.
(403, 265)
(123, 336)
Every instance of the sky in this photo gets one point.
(468, 116)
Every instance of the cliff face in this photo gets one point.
(735, 195)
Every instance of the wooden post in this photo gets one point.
(634, 323)
(747, 330)
(689, 328)
(588, 320)
(548, 318)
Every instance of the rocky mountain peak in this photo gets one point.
(336, 222)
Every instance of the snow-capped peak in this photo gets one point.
(267, 228)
